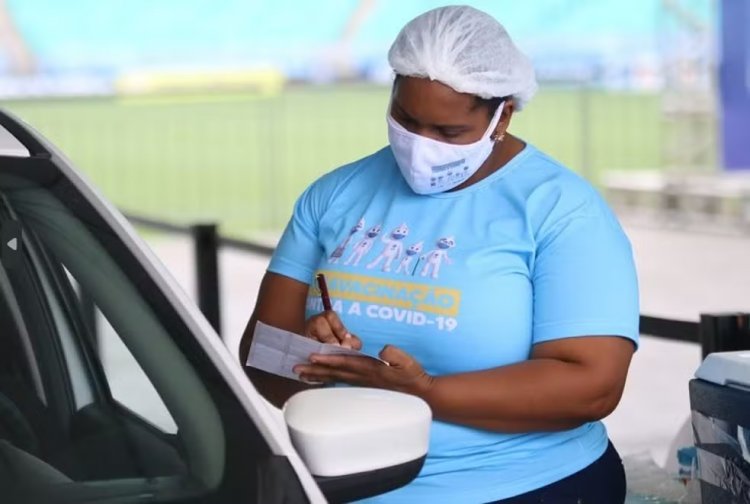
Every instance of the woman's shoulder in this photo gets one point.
(544, 171)
(556, 193)
(360, 173)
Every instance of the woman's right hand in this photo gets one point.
(327, 327)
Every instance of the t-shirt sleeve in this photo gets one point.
(299, 251)
(584, 280)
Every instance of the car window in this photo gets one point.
(80, 384)
(129, 385)
(131, 401)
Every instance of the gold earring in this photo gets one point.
(497, 138)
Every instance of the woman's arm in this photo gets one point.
(281, 303)
(564, 384)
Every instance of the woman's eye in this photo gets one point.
(450, 134)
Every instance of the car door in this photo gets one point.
(109, 392)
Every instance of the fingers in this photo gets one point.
(355, 363)
(323, 375)
(413, 378)
(324, 327)
(400, 371)
(395, 356)
(328, 328)
(308, 381)
(339, 368)
(353, 341)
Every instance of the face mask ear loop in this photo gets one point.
(491, 129)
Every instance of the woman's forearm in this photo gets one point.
(534, 395)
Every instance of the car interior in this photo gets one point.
(65, 436)
(63, 433)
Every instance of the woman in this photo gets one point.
(515, 315)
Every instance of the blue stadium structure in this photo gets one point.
(567, 39)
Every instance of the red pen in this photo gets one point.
(324, 291)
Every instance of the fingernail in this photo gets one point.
(347, 335)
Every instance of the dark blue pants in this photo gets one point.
(603, 482)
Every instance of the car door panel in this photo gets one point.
(72, 234)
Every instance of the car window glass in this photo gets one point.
(82, 394)
(126, 380)
(128, 383)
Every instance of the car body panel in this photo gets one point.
(266, 418)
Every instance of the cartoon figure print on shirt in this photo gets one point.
(435, 257)
(405, 265)
(338, 253)
(363, 246)
(408, 260)
(393, 248)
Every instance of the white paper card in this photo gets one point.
(277, 351)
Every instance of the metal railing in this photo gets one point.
(715, 332)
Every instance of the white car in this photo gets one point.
(73, 427)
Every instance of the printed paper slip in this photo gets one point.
(277, 351)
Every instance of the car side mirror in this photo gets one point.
(359, 442)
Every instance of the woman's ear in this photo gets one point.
(505, 117)
(502, 125)
(508, 108)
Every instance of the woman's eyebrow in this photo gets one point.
(403, 112)
(409, 118)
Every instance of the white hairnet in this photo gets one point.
(466, 49)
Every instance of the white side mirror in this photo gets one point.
(349, 430)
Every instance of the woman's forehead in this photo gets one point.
(432, 101)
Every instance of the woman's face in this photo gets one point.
(434, 110)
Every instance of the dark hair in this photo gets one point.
(491, 104)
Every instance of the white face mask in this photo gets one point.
(430, 166)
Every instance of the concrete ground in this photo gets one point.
(681, 275)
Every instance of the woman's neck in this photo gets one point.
(501, 154)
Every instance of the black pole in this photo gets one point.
(206, 243)
(724, 332)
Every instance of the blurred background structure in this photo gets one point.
(192, 109)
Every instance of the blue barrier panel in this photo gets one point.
(734, 81)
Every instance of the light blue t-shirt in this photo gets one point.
(466, 281)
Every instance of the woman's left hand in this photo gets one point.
(402, 373)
